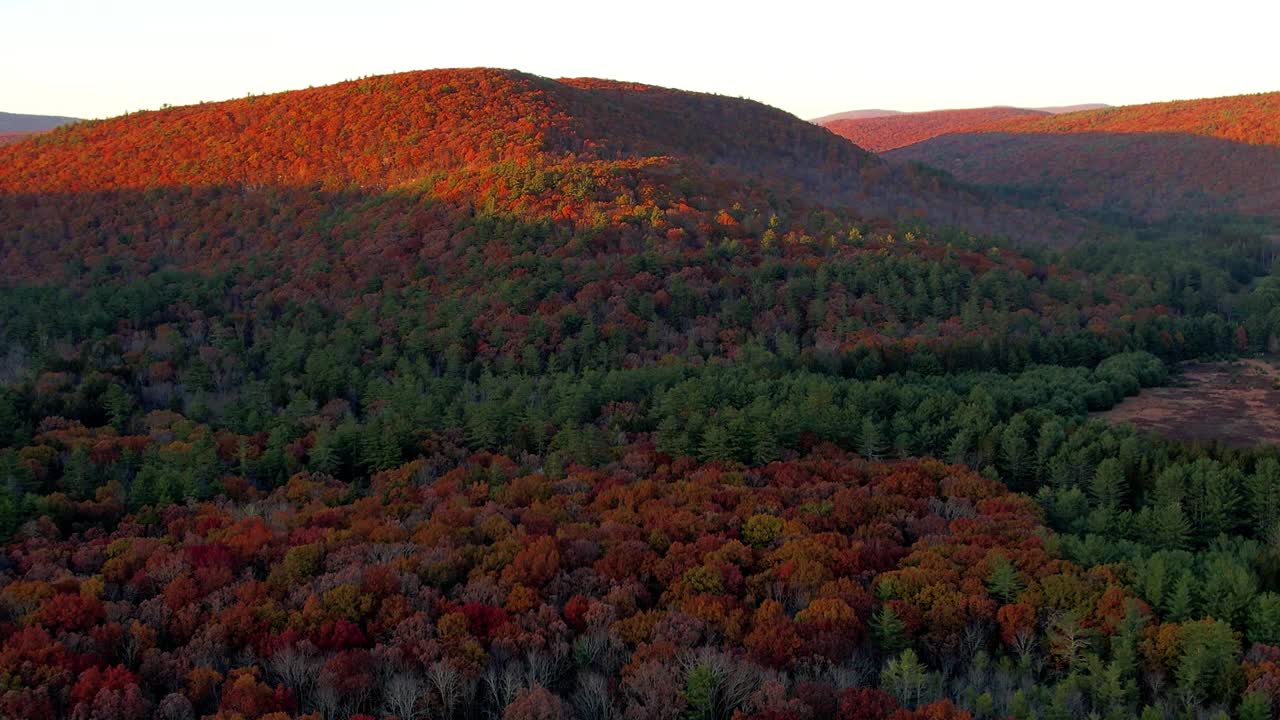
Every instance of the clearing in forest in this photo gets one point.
(1236, 403)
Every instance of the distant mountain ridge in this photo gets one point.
(855, 115)
(22, 123)
(1064, 109)
(875, 112)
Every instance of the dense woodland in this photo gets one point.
(468, 394)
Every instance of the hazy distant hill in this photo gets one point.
(20, 123)
(1063, 109)
(855, 115)
(875, 113)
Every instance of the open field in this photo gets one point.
(1236, 403)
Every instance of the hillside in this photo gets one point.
(394, 129)
(628, 162)
(879, 134)
(477, 137)
(13, 137)
(1220, 155)
(1248, 119)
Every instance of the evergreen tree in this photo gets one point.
(672, 438)
(77, 475)
(1180, 604)
(717, 443)
(1109, 488)
(870, 439)
(907, 679)
(1015, 451)
(323, 456)
(119, 406)
(889, 631)
(1264, 495)
(1169, 526)
(764, 444)
(1208, 667)
(1264, 619)
(1004, 582)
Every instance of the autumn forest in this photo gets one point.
(472, 394)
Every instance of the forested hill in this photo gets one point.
(1149, 162)
(525, 146)
(1248, 119)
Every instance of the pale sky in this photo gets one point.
(100, 58)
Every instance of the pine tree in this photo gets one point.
(77, 475)
(1015, 451)
(764, 444)
(142, 491)
(870, 440)
(889, 631)
(1264, 495)
(1109, 487)
(717, 443)
(1050, 438)
(1208, 666)
(1169, 527)
(1004, 582)
(322, 456)
(119, 406)
(1264, 619)
(906, 678)
(672, 439)
(1181, 600)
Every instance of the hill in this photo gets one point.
(1248, 119)
(18, 122)
(1150, 161)
(854, 115)
(626, 160)
(503, 138)
(879, 134)
(1061, 109)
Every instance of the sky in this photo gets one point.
(95, 59)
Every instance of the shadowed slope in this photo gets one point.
(1149, 161)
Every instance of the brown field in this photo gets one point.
(1235, 403)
